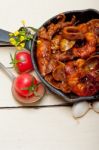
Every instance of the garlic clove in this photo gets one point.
(95, 106)
(79, 109)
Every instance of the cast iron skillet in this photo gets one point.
(82, 16)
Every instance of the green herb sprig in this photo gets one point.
(21, 36)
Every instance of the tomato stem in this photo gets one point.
(33, 88)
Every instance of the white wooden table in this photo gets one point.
(45, 128)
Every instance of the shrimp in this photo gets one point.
(82, 84)
(81, 81)
(43, 55)
(73, 66)
(88, 49)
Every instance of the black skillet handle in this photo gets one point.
(28, 45)
(4, 40)
(4, 36)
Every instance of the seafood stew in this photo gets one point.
(66, 55)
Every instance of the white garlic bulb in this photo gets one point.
(79, 109)
(95, 106)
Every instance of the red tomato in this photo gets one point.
(25, 85)
(22, 61)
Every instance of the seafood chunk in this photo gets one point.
(67, 55)
(43, 55)
(59, 73)
(88, 49)
(63, 86)
(72, 33)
